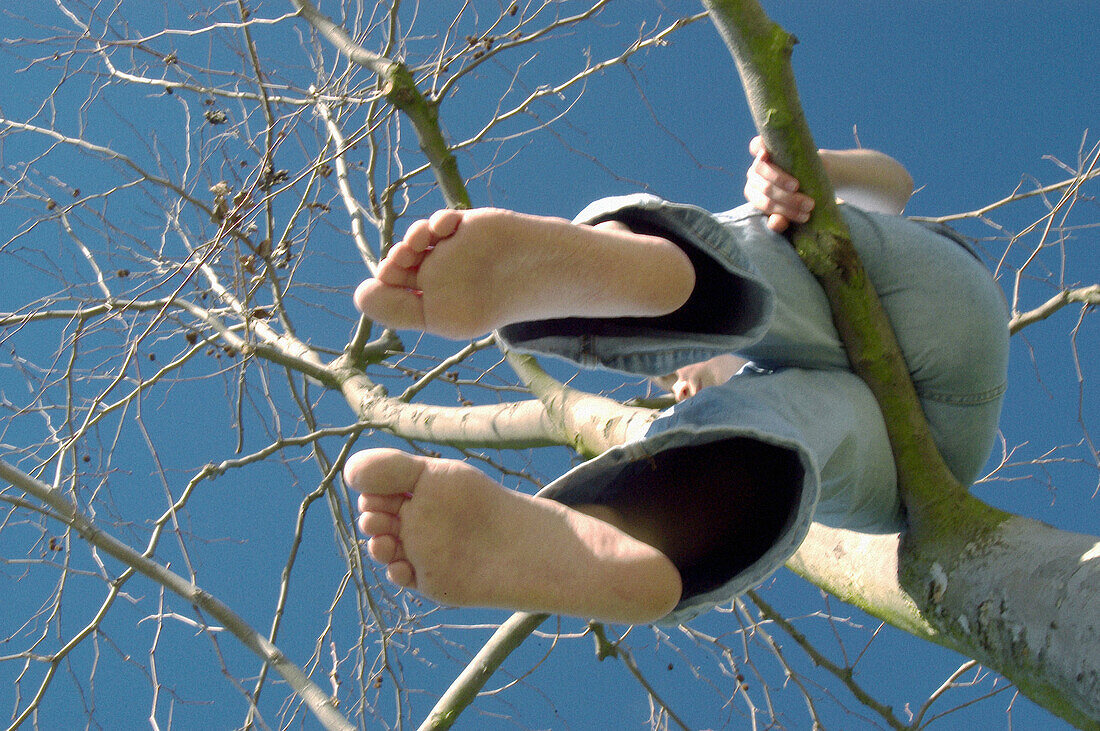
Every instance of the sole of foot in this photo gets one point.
(451, 533)
(461, 274)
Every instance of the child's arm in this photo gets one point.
(869, 179)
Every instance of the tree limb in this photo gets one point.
(399, 88)
(1088, 296)
(316, 699)
(762, 50)
(477, 672)
(970, 569)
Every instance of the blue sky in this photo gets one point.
(976, 99)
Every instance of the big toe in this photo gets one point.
(383, 471)
(444, 222)
(396, 307)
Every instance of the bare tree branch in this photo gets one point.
(1088, 296)
(480, 668)
(318, 701)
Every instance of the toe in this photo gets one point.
(402, 574)
(403, 255)
(383, 471)
(379, 524)
(419, 238)
(394, 275)
(385, 549)
(444, 223)
(396, 307)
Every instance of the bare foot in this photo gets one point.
(461, 274)
(448, 531)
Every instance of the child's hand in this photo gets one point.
(775, 192)
(690, 380)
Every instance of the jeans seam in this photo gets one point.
(964, 399)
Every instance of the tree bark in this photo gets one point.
(1011, 592)
(1007, 591)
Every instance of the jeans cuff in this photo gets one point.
(731, 307)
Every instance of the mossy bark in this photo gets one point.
(959, 560)
(1010, 592)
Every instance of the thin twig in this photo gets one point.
(843, 673)
(605, 648)
(314, 697)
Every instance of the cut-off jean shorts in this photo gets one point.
(754, 297)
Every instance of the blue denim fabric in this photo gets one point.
(798, 392)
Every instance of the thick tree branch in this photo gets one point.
(762, 50)
(953, 558)
(593, 423)
(518, 425)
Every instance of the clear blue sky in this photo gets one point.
(975, 99)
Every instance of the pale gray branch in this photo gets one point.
(1088, 296)
(339, 37)
(355, 211)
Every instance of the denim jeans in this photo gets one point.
(755, 298)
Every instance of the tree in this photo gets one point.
(203, 186)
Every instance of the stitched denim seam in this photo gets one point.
(964, 399)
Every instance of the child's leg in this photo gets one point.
(451, 533)
(682, 522)
(463, 273)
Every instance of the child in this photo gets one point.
(721, 489)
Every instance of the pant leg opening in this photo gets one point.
(713, 509)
